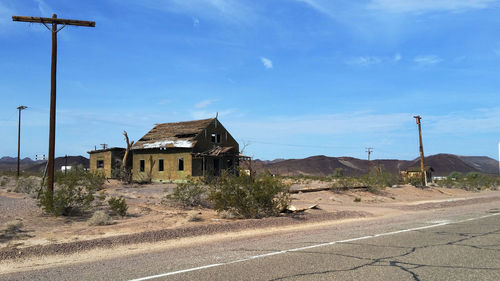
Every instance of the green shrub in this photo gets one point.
(338, 173)
(100, 218)
(342, 184)
(357, 199)
(73, 193)
(378, 178)
(249, 198)
(415, 181)
(471, 181)
(118, 205)
(455, 175)
(188, 194)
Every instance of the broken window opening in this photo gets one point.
(215, 138)
(181, 164)
(100, 164)
(161, 167)
(142, 165)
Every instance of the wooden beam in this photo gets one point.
(54, 20)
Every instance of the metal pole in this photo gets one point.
(422, 167)
(52, 129)
(19, 140)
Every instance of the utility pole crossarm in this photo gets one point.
(54, 20)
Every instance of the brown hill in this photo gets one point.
(443, 165)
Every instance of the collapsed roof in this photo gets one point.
(173, 135)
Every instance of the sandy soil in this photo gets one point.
(147, 212)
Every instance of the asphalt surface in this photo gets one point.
(461, 243)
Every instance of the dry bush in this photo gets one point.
(100, 218)
(12, 227)
(194, 216)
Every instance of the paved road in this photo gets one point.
(453, 244)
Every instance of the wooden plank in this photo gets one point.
(54, 20)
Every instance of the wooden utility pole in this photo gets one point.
(369, 150)
(422, 167)
(52, 131)
(19, 140)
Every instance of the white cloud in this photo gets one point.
(421, 6)
(204, 103)
(266, 62)
(321, 125)
(427, 60)
(45, 10)
(397, 57)
(196, 22)
(364, 61)
(219, 10)
(318, 6)
(466, 123)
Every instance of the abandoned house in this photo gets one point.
(173, 151)
(415, 173)
(107, 161)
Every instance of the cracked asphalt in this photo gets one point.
(455, 250)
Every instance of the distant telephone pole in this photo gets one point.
(422, 167)
(54, 21)
(369, 150)
(19, 140)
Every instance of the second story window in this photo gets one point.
(215, 138)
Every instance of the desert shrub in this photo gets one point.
(249, 198)
(338, 173)
(73, 193)
(415, 181)
(357, 199)
(455, 175)
(118, 205)
(188, 194)
(12, 227)
(4, 181)
(100, 218)
(226, 215)
(28, 185)
(378, 178)
(194, 216)
(341, 184)
(471, 181)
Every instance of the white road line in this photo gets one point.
(307, 247)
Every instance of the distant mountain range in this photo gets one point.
(26, 164)
(443, 165)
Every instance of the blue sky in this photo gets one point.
(289, 78)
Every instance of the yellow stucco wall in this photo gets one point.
(106, 157)
(170, 166)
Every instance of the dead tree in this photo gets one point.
(126, 174)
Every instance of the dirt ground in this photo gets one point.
(147, 212)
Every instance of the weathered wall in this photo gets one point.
(170, 160)
(106, 157)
